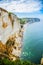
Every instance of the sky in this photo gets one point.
(24, 8)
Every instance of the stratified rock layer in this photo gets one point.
(11, 35)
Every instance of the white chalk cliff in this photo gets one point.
(11, 35)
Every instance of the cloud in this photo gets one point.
(22, 6)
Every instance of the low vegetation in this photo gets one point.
(17, 62)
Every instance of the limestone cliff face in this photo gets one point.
(11, 35)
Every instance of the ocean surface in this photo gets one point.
(33, 42)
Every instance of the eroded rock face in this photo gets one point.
(41, 61)
(11, 35)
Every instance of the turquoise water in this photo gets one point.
(33, 42)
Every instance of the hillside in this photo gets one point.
(29, 20)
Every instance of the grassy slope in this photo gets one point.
(17, 62)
